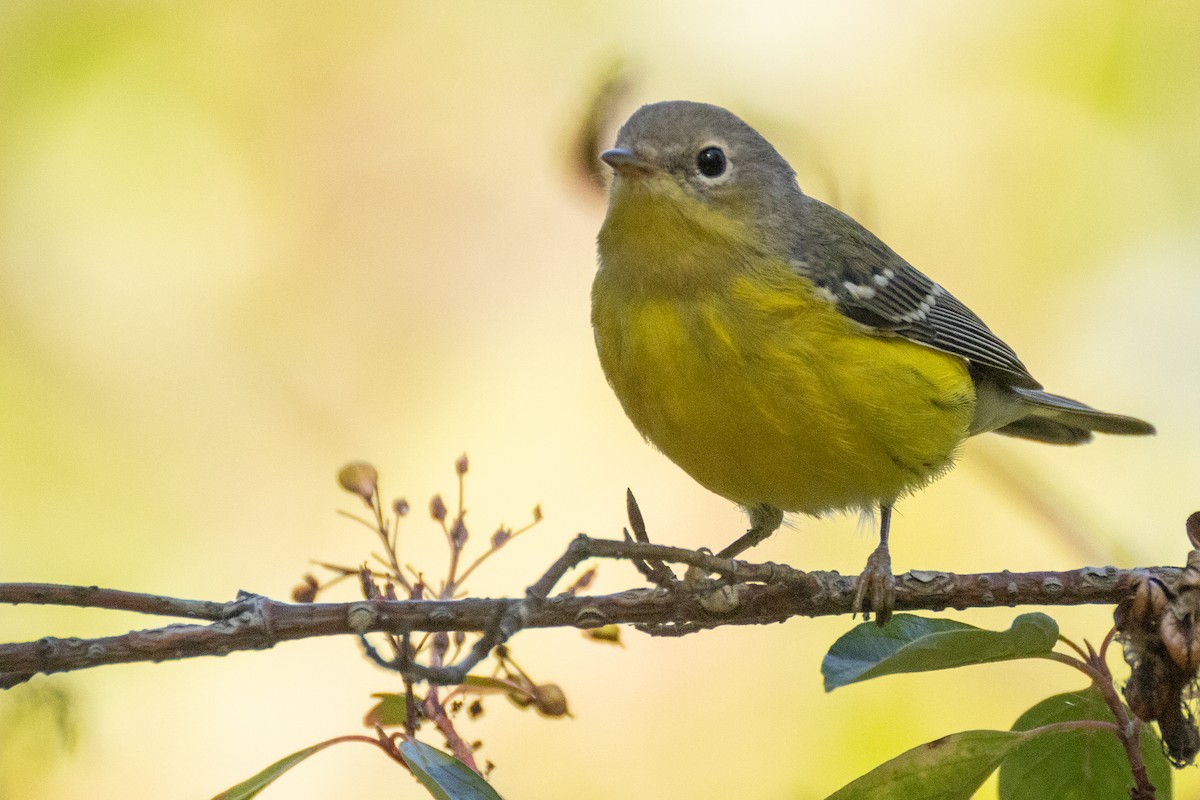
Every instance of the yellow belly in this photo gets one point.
(765, 394)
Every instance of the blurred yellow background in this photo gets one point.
(244, 243)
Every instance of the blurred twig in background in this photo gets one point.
(596, 127)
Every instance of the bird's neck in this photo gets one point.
(671, 246)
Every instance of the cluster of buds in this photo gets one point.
(386, 577)
(1159, 625)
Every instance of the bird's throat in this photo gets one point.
(659, 241)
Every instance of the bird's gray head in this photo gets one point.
(711, 154)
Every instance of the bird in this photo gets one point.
(780, 353)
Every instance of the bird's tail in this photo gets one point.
(1060, 420)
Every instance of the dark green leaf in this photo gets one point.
(950, 768)
(918, 644)
(251, 787)
(1078, 765)
(444, 776)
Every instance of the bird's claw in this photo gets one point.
(877, 587)
(698, 579)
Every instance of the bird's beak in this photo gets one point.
(626, 162)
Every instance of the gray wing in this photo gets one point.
(874, 286)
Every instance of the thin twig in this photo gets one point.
(1073, 646)
(1128, 731)
(1083, 666)
(55, 594)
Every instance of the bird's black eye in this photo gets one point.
(711, 162)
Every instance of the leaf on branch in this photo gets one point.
(918, 644)
(609, 634)
(1078, 763)
(390, 711)
(444, 776)
(252, 786)
(950, 768)
(482, 684)
(520, 691)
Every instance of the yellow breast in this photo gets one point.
(764, 393)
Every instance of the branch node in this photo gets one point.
(590, 617)
(362, 616)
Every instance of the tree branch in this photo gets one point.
(57, 594)
(745, 594)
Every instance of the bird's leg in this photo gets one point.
(876, 584)
(764, 520)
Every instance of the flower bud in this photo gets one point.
(305, 592)
(360, 478)
(501, 536)
(458, 533)
(550, 700)
(437, 508)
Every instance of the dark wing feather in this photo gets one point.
(874, 286)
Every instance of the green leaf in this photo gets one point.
(1078, 765)
(482, 684)
(609, 634)
(444, 776)
(251, 787)
(391, 710)
(950, 768)
(918, 644)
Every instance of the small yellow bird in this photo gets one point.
(781, 354)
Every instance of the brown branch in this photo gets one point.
(56, 594)
(747, 594)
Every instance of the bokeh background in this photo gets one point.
(244, 243)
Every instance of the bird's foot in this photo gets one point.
(696, 578)
(877, 587)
